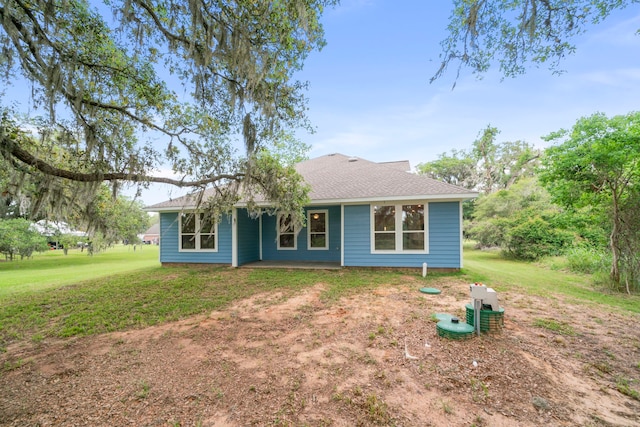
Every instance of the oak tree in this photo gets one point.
(517, 33)
(129, 87)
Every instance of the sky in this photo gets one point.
(370, 96)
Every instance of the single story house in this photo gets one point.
(361, 214)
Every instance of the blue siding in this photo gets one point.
(169, 243)
(444, 239)
(248, 238)
(270, 250)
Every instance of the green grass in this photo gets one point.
(53, 295)
(113, 295)
(53, 269)
(530, 278)
(555, 326)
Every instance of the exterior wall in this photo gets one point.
(169, 248)
(444, 239)
(248, 238)
(270, 250)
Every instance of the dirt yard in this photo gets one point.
(370, 359)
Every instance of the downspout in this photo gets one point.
(461, 234)
(342, 235)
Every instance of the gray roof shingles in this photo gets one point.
(336, 177)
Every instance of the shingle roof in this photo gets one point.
(339, 178)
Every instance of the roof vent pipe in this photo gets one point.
(353, 159)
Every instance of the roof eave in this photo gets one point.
(424, 197)
(355, 200)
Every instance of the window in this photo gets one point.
(398, 228)
(286, 233)
(385, 228)
(197, 232)
(318, 230)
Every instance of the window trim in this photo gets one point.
(399, 232)
(278, 234)
(326, 229)
(197, 234)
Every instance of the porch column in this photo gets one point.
(234, 237)
(260, 234)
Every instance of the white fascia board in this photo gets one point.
(352, 201)
(430, 198)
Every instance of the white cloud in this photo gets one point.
(623, 33)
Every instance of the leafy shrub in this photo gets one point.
(18, 238)
(489, 233)
(536, 238)
(588, 260)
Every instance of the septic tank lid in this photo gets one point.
(431, 291)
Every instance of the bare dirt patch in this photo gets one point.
(371, 359)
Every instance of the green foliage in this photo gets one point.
(624, 386)
(113, 115)
(488, 166)
(520, 220)
(535, 238)
(531, 279)
(115, 218)
(489, 233)
(288, 149)
(143, 294)
(560, 327)
(588, 260)
(457, 168)
(597, 164)
(18, 238)
(516, 33)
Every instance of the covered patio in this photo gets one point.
(302, 265)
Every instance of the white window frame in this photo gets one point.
(399, 232)
(197, 234)
(310, 214)
(278, 234)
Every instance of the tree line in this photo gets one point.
(105, 219)
(579, 197)
(125, 88)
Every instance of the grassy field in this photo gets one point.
(53, 295)
(53, 269)
(535, 279)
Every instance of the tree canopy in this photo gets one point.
(128, 87)
(597, 163)
(488, 166)
(517, 33)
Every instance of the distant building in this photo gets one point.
(152, 235)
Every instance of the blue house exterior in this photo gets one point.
(362, 214)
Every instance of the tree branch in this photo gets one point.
(12, 149)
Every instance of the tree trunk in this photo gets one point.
(614, 242)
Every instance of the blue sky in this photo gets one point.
(370, 94)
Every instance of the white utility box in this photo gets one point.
(491, 299)
(478, 291)
(488, 296)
